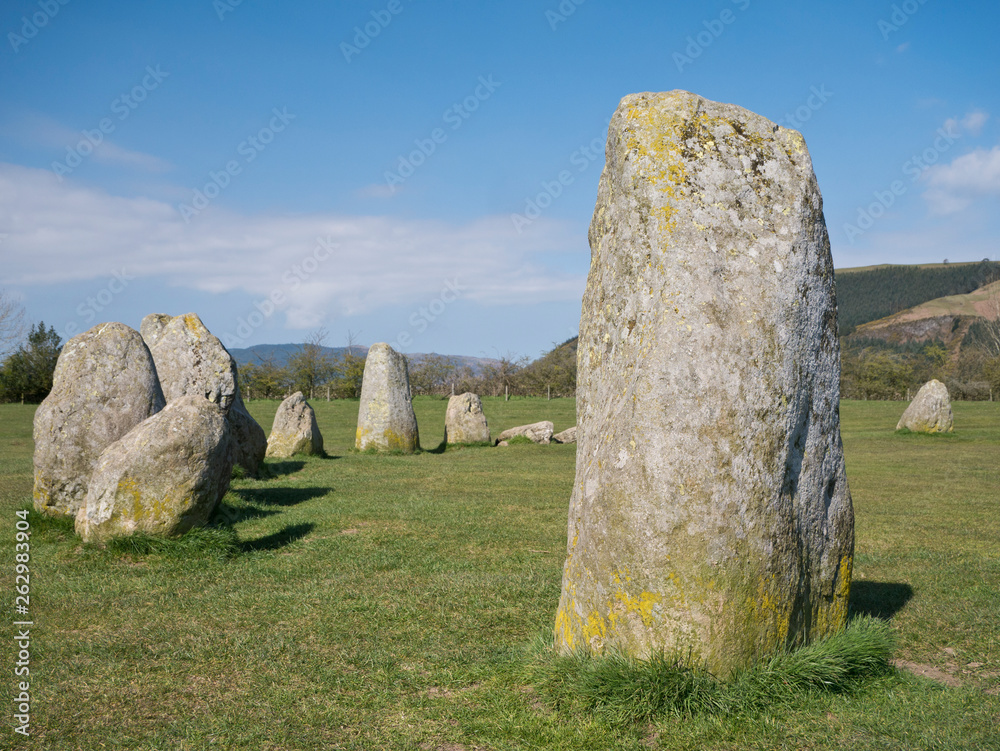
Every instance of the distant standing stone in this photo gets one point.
(191, 360)
(710, 515)
(103, 386)
(538, 432)
(163, 477)
(385, 420)
(295, 430)
(464, 422)
(566, 436)
(930, 411)
(152, 327)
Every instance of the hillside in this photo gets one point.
(875, 292)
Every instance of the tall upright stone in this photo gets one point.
(190, 360)
(464, 420)
(710, 515)
(930, 411)
(103, 386)
(385, 420)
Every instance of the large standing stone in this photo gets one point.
(152, 327)
(538, 432)
(103, 386)
(930, 411)
(162, 478)
(464, 422)
(295, 430)
(249, 438)
(710, 516)
(191, 360)
(385, 420)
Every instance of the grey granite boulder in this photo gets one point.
(537, 432)
(710, 515)
(930, 411)
(152, 327)
(295, 430)
(249, 438)
(464, 421)
(191, 360)
(566, 436)
(103, 386)
(385, 419)
(163, 477)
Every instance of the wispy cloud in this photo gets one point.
(63, 232)
(953, 187)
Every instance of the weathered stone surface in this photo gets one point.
(249, 438)
(163, 477)
(566, 436)
(538, 432)
(103, 386)
(152, 327)
(711, 510)
(385, 420)
(930, 411)
(191, 360)
(295, 430)
(464, 422)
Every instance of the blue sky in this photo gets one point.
(392, 168)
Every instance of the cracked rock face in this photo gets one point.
(930, 410)
(103, 386)
(385, 419)
(710, 512)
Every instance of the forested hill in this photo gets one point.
(868, 294)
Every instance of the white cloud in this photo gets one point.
(974, 122)
(952, 187)
(67, 232)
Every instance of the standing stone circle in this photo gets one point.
(930, 410)
(163, 477)
(104, 385)
(464, 422)
(710, 516)
(295, 430)
(538, 432)
(385, 420)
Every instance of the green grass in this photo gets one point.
(367, 602)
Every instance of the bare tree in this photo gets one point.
(12, 328)
(311, 366)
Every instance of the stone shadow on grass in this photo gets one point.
(282, 468)
(278, 540)
(279, 496)
(226, 515)
(878, 599)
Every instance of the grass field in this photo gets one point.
(388, 602)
